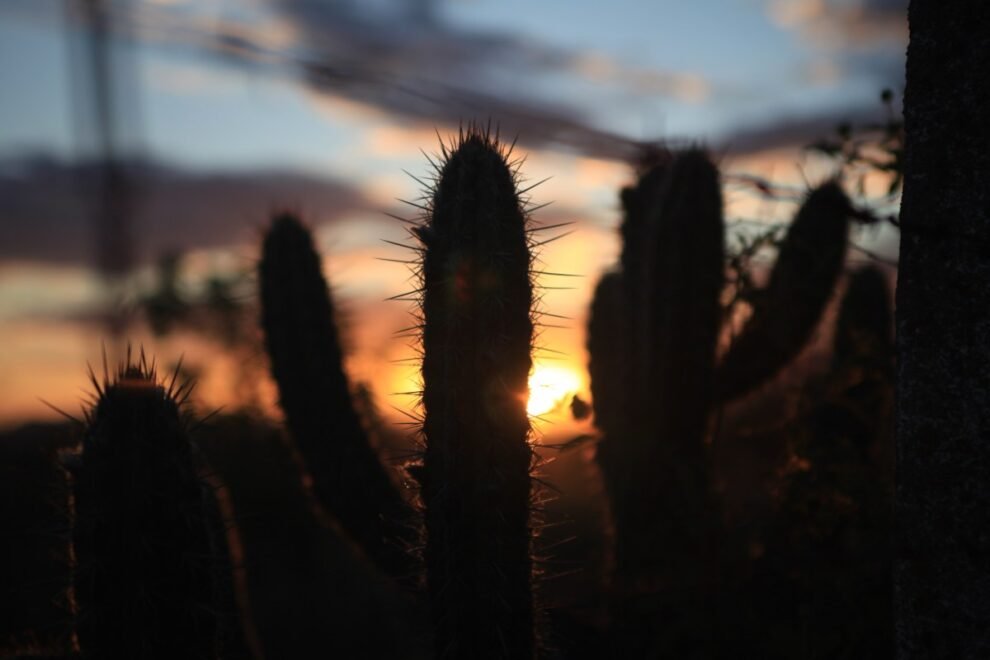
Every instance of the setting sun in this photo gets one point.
(550, 388)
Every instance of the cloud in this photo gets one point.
(399, 58)
(843, 23)
(797, 132)
(185, 79)
(862, 38)
(46, 214)
(599, 68)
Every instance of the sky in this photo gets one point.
(228, 109)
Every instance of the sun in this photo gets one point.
(550, 387)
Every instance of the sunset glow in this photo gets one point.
(550, 388)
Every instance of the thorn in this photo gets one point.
(534, 185)
(414, 204)
(416, 178)
(399, 218)
(551, 240)
(402, 245)
(534, 209)
(551, 274)
(61, 412)
(533, 230)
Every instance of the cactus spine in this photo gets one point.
(477, 333)
(306, 361)
(144, 575)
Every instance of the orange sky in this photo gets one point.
(44, 356)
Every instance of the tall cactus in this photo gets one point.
(607, 330)
(659, 449)
(477, 334)
(656, 386)
(306, 361)
(144, 574)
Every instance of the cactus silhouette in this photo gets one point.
(681, 258)
(301, 337)
(477, 333)
(863, 331)
(788, 309)
(830, 540)
(653, 456)
(652, 340)
(785, 312)
(144, 574)
(607, 330)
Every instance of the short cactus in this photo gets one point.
(144, 573)
(864, 328)
(788, 309)
(302, 340)
(477, 334)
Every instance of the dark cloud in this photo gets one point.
(410, 64)
(45, 207)
(797, 132)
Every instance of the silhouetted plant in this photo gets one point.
(144, 571)
(784, 312)
(787, 310)
(166, 306)
(302, 340)
(870, 147)
(864, 328)
(652, 337)
(312, 592)
(654, 468)
(607, 330)
(477, 333)
(653, 458)
(829, 547)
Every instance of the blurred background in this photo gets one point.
(146, 143)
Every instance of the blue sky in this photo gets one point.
(642, 70)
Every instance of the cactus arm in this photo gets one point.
(301, 337)
(788, 309)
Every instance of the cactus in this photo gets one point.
(656, 379)
(606, 334)
(788, 309)
(785, 311)
(864, 329)
(831, 537)
(660, 451)
(301, 337)
(653, 459)
(861, 380)
(477, 333)
(144, 573)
